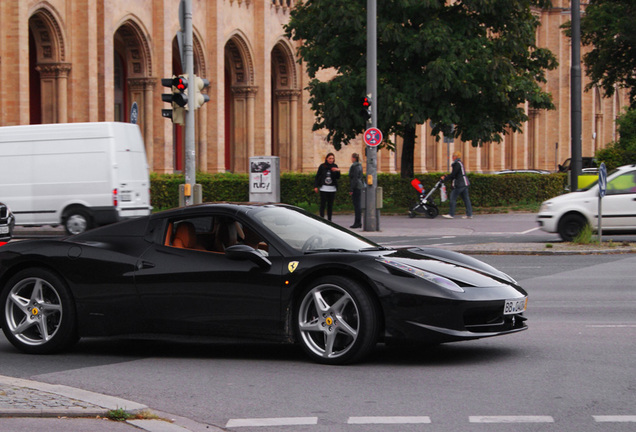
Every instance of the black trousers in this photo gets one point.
(326, 200)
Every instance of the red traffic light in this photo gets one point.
(180, 83)
(366, 102)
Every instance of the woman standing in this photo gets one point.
(326, 182)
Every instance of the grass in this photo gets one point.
(121, 414)
(584, 237)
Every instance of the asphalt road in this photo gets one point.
(571, 371)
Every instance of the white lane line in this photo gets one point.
(615, 418)
(273, 421)
(529, 231)
(390, 420)
(510, 419)
(611, 326)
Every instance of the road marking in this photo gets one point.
(510, 419)
(390, 420)
(611, 326)
(529, 231)
(615, 418)
(274, 421)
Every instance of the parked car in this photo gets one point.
(266, 272)
(7, 222)
(568, 214)
(586, 162)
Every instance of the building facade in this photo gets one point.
(90, 60)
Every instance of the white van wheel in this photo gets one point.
(77, 221)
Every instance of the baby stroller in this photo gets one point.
(425, 205)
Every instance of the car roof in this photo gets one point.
(225, 207)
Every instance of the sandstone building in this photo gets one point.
(89, 60)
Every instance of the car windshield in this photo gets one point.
(309, 233)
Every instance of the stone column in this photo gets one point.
(54, 91)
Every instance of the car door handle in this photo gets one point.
(145, 265)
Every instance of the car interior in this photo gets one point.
(212, 234)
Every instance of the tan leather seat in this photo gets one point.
(185, 237)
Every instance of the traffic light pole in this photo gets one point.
(575, 94)
(190, 162)
(371, 220)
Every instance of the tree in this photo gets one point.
(472, 64)
(609, 26)
(623, 151)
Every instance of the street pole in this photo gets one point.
(371, 220)
(575, 92)
(190, 163)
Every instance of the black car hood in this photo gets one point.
(458, 267)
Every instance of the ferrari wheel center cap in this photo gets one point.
(35, 311)
(329, 321)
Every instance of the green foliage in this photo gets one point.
(609, 27)
(486, 190)
(472, 64)
(623, 151)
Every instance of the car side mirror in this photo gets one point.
(247, 253)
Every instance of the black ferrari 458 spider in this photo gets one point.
(259, 271)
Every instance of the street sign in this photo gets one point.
(373, 137)
(602, 180)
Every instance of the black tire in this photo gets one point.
(77, 221)
(38, 312)
(570, 226)
(336, 321)
(432, 211)
(412, 214)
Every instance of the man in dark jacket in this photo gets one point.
(460, 187)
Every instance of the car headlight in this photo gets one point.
(428, 276)
(546, 206)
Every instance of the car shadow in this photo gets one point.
(452, 354)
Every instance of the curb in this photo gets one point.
(75, 402)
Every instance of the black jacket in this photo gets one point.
(458, 174)
(321, 175)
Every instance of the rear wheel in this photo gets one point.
(336, 321)
(570, 226)
(77, 221)
(432, 211)
(38, 315)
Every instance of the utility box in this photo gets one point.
(197, 194)
(265, 179)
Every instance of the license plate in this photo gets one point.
(515, 306)
(4, 230)
(126, 197)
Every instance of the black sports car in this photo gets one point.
(270, 272)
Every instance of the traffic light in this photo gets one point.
(178, 98)
(366, 108)
(200, 98)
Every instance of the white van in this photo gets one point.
(80, 175)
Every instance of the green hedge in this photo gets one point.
(486, 190)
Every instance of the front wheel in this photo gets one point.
(570, 226)
(336, 321)
(38, 315)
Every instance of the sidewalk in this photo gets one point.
(27, 405)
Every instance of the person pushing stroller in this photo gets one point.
(460, 187)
